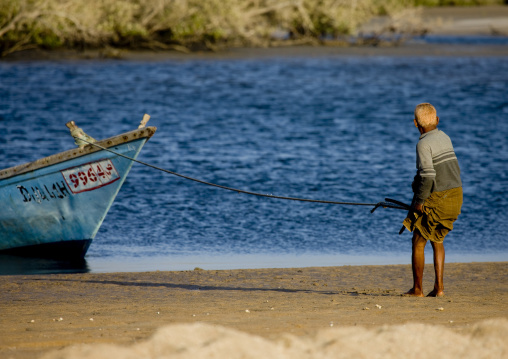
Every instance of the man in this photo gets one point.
(437, 197)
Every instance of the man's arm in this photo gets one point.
(418, 207)
(424, 180)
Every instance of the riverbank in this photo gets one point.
(441, 21)
(42, 314)
(406, 50)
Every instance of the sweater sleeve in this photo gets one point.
(426, 174)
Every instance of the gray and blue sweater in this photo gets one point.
(437, 165)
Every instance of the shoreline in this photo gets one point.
(460, 22)
(411, 50)
(45, 313)
(15, 265)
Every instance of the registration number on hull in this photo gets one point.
(90, 176)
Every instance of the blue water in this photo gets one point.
(462, 40)
(326, 127)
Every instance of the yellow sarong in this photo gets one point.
(440, 210)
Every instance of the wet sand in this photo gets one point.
(42, 314)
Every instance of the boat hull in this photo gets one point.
(56, 210)
(68, 249)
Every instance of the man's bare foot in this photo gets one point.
(413, 293)
(436, 293)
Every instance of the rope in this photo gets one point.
(389, 204)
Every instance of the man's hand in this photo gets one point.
(418, 207)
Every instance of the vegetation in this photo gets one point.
(186, 25)
(457, 2)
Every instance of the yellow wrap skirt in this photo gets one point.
(440, 210)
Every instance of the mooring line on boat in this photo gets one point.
(389, 203)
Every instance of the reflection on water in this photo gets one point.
(13, 265)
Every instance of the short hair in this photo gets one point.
(425, 115)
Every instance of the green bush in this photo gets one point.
(185, 24)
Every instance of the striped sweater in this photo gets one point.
(437, 165)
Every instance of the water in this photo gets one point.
(333, 128)
(462, 40)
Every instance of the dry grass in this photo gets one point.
(457, 2)
(183, 25)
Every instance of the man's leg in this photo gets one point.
(418, 263)
(439, 259)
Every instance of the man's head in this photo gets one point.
(425, 115)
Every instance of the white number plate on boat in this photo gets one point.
(90, 176)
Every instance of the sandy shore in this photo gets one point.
(41, 314)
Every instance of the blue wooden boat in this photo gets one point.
(53, 207)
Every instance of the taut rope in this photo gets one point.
(390, 203)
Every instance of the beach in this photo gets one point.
(55, 315)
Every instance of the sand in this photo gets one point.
(317, 312)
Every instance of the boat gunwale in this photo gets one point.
(145, 132)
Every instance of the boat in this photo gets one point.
(53, 207)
